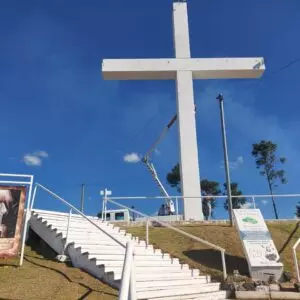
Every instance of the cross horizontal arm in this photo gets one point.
(202, 68)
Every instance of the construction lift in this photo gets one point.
(169, 204)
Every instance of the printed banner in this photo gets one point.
(256, 238)
(12, 202)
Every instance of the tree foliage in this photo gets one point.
(237, 202)
(298, 210)
(266, 161)
(209, 187)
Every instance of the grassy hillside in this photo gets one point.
(209, 260)
(41, 277)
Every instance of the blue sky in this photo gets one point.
(72, 127)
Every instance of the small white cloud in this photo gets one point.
(35, 159)
(264, 202)
(132, 158)
(234, 164)
(240, 160)
(41, 154)
(156, 151)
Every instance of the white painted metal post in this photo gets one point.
(132, 284)
(176, 203)
(147, 233)
(253, 200)
(25, 227)
(126, 272)
(33, 198)
(224, 265)
(296, 259)
(68, 229)
(102, 210)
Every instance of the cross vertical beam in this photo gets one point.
(188, 149)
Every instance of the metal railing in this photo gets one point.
(128, 283)
(149, 218)
(72, 208)
(251, 200)
(296, 259)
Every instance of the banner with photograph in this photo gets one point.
(12, 203)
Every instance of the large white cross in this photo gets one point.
(184, 69)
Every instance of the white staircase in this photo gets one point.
(158, 276)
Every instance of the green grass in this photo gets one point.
(208, 260)
(41, 277)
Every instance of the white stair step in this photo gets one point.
(142, 263)
(153, 259)
(120, 257)
(78, 226)
(221, 295)
(85, 240)
(115, 252)
(78, 220)
(176, 292)
(172, 282)
(202, 287)
(141, 270)
(160, 276)
(112, 244)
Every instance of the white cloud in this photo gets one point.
(35, 159)
(156, 151)
(264, 202)
(41, 154)
(234, 164)
(132, 158)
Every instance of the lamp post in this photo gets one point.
(221, 103)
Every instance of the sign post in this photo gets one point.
(261, 253)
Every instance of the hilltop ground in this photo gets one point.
(41, 277)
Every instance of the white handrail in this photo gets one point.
(222, 250)
(209, 196)
(296, 259)
(78, 212)
(127, 288)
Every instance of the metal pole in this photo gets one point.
(147, 233)
(126, 272)
(224, 264)
(253, 200)
(33, 198)
(132, 284)
(221, 102)
(82, 196)
(25, 228)
(68, 228)
(176, 201)
(296, 259)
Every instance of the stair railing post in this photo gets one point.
(147, 233)
(68, 230)
(296, 260)
(224, 265)
(176, 202)
(33, 198)
(126, 273)
(132, 287)
(253, 201)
